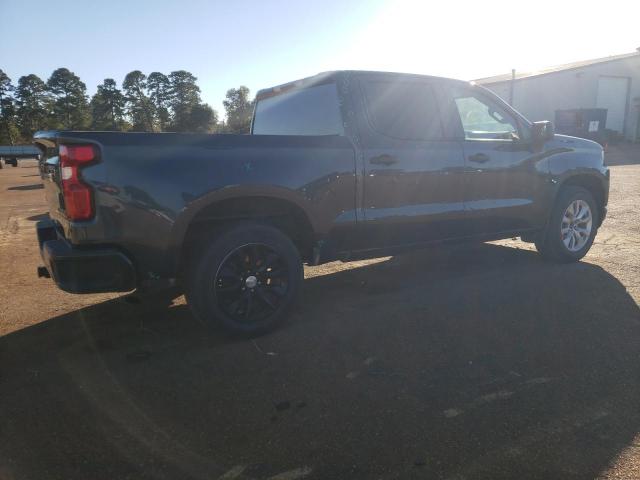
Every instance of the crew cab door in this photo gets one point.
(412, 171)
(504, 179)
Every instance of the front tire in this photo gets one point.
(244, 279)
(572, 226)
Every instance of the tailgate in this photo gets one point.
(49, 165)
(66, 161)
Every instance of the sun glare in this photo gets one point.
(474, 39)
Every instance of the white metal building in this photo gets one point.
(611, 82)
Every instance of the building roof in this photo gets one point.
(558, 68)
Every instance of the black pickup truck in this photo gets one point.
(341, 165)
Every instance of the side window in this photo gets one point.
(309, 111)
(403, 110)
(481, 120)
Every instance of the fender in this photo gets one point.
(191, 210)
(581, 163)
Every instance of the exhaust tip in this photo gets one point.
(43, 272)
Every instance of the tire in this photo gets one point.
(553, 242)
(244, 279)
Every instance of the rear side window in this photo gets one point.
(310, 111)
(403, 110)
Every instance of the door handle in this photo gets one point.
(479, 158)
(383, 159)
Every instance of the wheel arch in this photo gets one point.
(594, 185)
(283, 209)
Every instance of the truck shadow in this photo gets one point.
(35, 186)
(483, 362)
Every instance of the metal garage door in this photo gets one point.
(612, 95)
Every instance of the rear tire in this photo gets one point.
(244, 279)
(572, 226)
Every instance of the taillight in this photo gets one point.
(78, 196)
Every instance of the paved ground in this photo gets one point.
(474, 362)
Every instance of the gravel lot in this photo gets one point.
(460, 363)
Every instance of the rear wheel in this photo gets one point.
(572, 226)
(244, 278)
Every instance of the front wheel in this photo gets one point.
(244, 279)
(572, 226)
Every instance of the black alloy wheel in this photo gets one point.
(251, 283)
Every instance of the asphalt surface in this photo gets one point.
(473, 362)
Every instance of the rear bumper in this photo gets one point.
(83, 269)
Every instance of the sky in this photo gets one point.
(262, 43)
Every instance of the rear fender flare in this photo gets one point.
(191, 210)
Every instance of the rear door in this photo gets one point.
(413, 173)
(504, 180)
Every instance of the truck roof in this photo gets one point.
(332, 75)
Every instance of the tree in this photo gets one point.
(6, 88)
(139, 106)
(33, 105)
(239, 110)
(202, 119)
(69, 93)
(185, 94)
(108, 107)
(159, 90)
(9, 132)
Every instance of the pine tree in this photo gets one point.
(108, 107)
(33, 105)
(9, 133)
(159, 90)
(69, 94)
(185, 94)
(139, 106)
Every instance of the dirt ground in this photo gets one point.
(473, 362)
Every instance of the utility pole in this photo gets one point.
(513, 81)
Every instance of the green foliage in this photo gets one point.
(159, 90)
(189, 113)
(33, 105)
(202, 119)
(9, 132)
(239, 110)
(158, 102)
(108, 107)
(6, 89)
(139, 106)
(185, 94)
(70, 108)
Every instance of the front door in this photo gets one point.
(413, 174)
(504, 178)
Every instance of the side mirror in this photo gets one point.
(542, 131)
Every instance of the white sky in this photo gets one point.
(472, 39)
